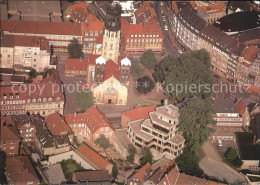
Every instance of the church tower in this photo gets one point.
(111, 37)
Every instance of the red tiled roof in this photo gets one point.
(92, 155)
(143, 173)
(145, 7)
(9, 133)
(139, 112)
(209, 9)
(78, 12)
(93, 117)
(76, 64)
(20, 170)
(253, 89)
(36, 27)
(32, 41)
(57, 125)
(92, 58)
(250, 53)
(241, 107)
(7, 90)
(140, 29)
(112, 69)
(93, 26)
(44, 90)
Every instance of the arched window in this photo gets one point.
(112, 35)
(44, 100)
(28, 101)
(58, 99)
(39, 100)
(34, 100)
(50, 99)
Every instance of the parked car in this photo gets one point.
(162, 11)
(161, 3)
(180, 51)
(220, 142)
(166, 28)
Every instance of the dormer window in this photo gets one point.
(39, 99)
(17, 95)
(34, 100)
(11, 96)
(44, 100)
(28, 101)
(58, 99)
(50, 99)
(5, 96)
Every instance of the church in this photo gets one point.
(106, 71)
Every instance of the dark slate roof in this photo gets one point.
(248, 35)
(21, 119)
(224, 105)
(239, 21)
(7, 40)
(258, 127)
(18, 79)
(210, 33)
(192, 18)
(181, 5)
(245, 145)
(6, 71)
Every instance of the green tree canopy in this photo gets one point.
(114, 171)
(102, 142)
(131, 153)
(135, 69)
(186, 76)
(32, 73)
(188, 162)
(194, 117)
(233, 157)
(75, 49)
(148, 59)
(85, 99)
(147, 156)
(144, 84)
(3, 179)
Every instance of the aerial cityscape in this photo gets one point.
(129, 92)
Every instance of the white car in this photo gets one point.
(220, 142)
(180, 51)
(162, 11)
(161, 3)
(166, 28)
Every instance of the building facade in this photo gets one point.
(88, 126)
(25, 51)
(159, 132)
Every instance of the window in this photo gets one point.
(28, 101)
(96, 136)
(106, 128)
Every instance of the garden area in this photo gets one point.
(69, 166)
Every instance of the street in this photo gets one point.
(167, 42)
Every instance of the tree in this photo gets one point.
(188, 162)
(3, 179)
(144, 84)
(194, 117)
(75, 49)
(85, 99)
(131, 153)
(102, 142)
(32, 73)
(232, 157)
(186, 76)
(114, 171)
(147, 156)
(46, 72)
(135, 69)
(148, 59)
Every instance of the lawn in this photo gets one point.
(69, 166)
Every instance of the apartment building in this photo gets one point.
(141, 37)
(12, 100)
(47, 143)
(226, 113)
(25, 127)
(88, 126)
(159, 132)
(76, 67)
(9, 140)
(19, 170)
(59, 34)
(25, 51)
(193, 33)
